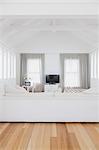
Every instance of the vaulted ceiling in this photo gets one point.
(59, 33)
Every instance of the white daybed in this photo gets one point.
(49, 107)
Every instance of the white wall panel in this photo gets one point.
(48, 1)
(52, 63)
(49, 9)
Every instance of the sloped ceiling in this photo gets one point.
(50, 33)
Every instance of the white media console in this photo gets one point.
(51, 87)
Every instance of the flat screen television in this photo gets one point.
(52, 79)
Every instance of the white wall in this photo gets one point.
(52, 63)
(94, 83)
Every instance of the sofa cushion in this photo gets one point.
(39, 87)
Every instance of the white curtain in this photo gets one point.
(75, 70)
(34, 70)
(71, 72)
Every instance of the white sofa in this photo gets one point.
(21, 106)
(49, 108)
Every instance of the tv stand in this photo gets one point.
(51, 87)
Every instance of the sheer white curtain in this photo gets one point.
(75, 70)
(71, 72)
(95, 64)
(34, 70)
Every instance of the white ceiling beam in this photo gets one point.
(49, 9)
(11, 28)
(47, 1)
(50, 28)
(15, 32)
(54, 27)
(31, 17)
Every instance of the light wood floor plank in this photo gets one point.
(73, 142)
(62, 135)
(49, 136)
(94, 135)
(80, 137)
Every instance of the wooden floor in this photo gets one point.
(49, 136)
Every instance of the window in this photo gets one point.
(34, 70)
(9, 66)
(5, 65)
(14, 66)
(71, 73)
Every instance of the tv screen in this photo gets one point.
(52, 79)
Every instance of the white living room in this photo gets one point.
(49, 75)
